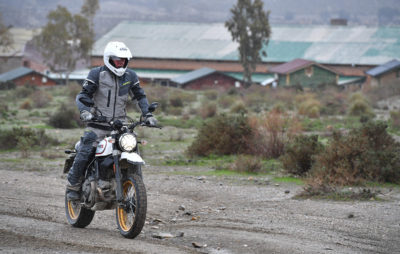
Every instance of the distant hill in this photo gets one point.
(365, 12)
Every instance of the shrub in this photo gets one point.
(66, 117)
(208, 110)
(26, 104)
(73, 90)
(333, 102)
(176, 101)
(239, 108)
(395, 119)
(7, 85)
(9, 139)
(270, 133)
(247, 163)
(308, 105)
(227, 101)
(4, 113)
(368, 153)
(24, 91)
(211, 95)
(40, 98)
(222, 135)
(300, 154)
(359, 106)
(175, 111)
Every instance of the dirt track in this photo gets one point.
(227, 215)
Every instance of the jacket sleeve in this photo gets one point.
(137, 93)
(84, 100)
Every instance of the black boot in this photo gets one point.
(73, 191)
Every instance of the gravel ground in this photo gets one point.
(215, 214)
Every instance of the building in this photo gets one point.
(304, 73)
(205, 78)
(14, 56)
(173, 47)
(386, 73)
(23, 76)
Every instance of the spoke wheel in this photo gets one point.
(131, 216)
(77, 215)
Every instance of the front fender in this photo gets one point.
(132, 158)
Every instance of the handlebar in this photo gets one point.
(118, 124)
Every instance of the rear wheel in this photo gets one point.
(77, 215)
(131, 216)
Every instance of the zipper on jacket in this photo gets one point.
(115, 96)
(109, 98)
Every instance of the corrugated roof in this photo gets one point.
(381, 69)
(193, 75)
(15, 73)
(291, 66)
(204, 41)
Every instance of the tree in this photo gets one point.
(65, 40)
(89, 9)
(6, 39)
(249, 26)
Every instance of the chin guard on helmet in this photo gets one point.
(116, 57)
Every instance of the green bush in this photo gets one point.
(359, 106)
(300, 154)
(10, 139)
(239, 108)
(66, 117)
(7, 85)
(24, 91)
(222, 135)
(366, 154)
(395, 119)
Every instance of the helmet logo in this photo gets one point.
(123, 49)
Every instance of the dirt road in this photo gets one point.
(218, 214)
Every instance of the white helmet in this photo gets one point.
(114, 53)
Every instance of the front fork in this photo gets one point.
(118, 176)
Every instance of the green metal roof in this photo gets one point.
(15, 73)
(204, 41)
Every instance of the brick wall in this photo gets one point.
(34, 79)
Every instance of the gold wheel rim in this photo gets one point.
(123, 216)
(73, 210)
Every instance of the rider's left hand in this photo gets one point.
(150, 120)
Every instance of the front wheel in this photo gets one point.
(132, 215)
(77, 215)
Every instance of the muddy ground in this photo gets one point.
(221, 214)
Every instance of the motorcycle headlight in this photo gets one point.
(127, 142)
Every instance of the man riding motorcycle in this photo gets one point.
(107, 88)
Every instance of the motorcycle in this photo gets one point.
(113, 180)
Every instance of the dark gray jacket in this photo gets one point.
(110, 93)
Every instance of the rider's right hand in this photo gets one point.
(86, 115)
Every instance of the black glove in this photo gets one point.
(150, 120)
(86, 115)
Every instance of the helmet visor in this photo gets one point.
(118, 62)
